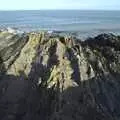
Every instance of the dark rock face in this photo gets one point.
(44, 78)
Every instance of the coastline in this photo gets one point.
(82, 23)
(82, 35)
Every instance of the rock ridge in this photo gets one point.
(45, 77)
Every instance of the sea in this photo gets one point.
(82, 22)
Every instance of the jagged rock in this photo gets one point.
(57, 78)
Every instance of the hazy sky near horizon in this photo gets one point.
(59, 4)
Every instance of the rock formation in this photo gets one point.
(57, 78)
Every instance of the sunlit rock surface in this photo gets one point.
(56, 78)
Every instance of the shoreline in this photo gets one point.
(82, 35)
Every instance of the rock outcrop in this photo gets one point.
(57, 78)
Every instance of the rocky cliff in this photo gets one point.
(59, 78)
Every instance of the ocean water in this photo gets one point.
(84, 22)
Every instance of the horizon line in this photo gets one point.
(59, 9)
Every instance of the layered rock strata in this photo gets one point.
(57, 78)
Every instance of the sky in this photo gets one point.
(59, 4)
